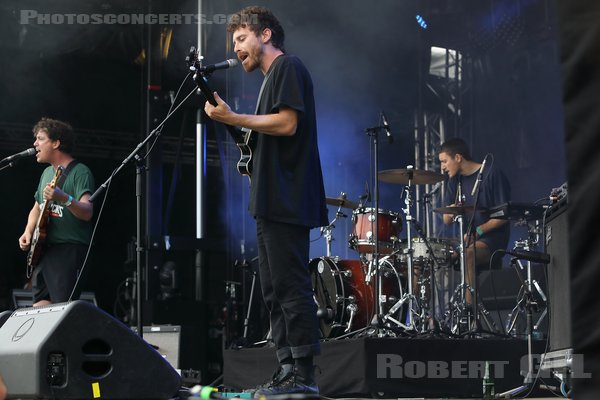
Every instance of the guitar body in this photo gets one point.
(38, 238)
(244, 165)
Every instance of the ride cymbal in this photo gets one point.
(416, 176)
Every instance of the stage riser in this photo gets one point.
(394, 367)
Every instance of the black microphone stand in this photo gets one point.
(138, 194)
(469, 234)
(373, 133)
(10, 164)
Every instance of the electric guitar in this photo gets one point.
(39, 233)
(244, 139)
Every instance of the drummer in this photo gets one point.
(487, 235)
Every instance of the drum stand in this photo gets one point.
(460, 318)
(327, 230)
(408, 297)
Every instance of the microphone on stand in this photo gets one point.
(386, 126)
(479, 176)
(436, 188)
(24, 153)
(528, 255)
(232, 62)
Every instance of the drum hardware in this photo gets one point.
(459, 315)
(408, 298)
(408, 176)
(527, 287)
(340, 202)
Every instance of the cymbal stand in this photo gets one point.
(457, 313)
(327, 230)
(461, 305)
(408, 297)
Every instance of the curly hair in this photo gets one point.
(456, 146)
(57, 130)
(257, 19)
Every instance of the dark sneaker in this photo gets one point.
(281, 373)
(293, 384)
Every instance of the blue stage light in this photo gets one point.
(421, 22)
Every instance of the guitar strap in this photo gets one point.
(65, 174)
(262, 87)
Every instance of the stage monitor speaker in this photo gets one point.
(559, 277)
(77, 351)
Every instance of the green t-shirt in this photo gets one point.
(63, 226)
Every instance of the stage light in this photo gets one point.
(421, 22)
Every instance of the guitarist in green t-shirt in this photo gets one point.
(58, 229)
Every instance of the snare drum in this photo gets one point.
(340, 291)
(442, 251)
(362, 238)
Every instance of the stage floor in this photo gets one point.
(397, 367)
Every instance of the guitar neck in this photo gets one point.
(238, 136)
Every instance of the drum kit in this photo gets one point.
(392, 284)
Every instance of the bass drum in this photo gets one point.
(345, 301)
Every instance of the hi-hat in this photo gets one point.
(341, 201)
(416, 176)
(457, 210)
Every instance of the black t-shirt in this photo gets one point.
(287, 182)
(494, 190)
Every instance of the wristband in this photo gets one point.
(70, 200)
(479, 231)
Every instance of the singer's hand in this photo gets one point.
(55, 194)
(222, 112)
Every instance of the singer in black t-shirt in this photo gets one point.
(286, 194)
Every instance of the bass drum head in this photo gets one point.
(338, 284)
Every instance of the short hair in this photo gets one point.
(456, 146)
(257, 19)
(57, 130)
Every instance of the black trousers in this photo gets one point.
(286, 287)
(56, 274)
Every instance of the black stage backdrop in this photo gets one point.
(580, 52)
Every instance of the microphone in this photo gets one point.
(436, 188)
(24, 153)
(528, 255)
(479, 176)
(232, 62)
(386, 126)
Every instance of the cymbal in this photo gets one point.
(340, 201)
(457, 210)
(419, 176)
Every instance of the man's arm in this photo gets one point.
(34, 214)
(81, 208)
(283, 123)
